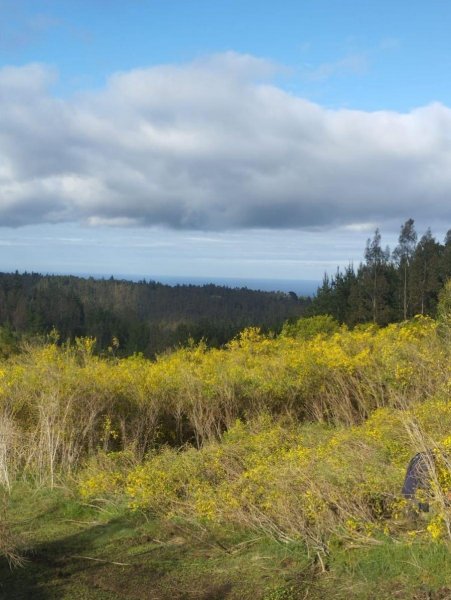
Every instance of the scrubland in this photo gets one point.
(299, 442)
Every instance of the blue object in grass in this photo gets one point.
(418, 478)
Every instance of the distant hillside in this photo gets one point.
(145, 316)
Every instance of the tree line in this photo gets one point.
(150, 317)
(143, 316)
(388, 286)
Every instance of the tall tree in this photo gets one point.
(343, 284)
(445, 263)
(425, 275)
(403, 255)
(376, 259)
(324, 300)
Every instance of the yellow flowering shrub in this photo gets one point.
(437, 527)
(292, 481)
(301, 435)
(105, 474)
(160, 484)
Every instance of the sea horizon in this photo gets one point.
(301, 287)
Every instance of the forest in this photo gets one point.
(146, 317)
(388, 286)
(150, 317)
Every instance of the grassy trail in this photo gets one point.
(76, 552)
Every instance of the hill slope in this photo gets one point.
(144, 316)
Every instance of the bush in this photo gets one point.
(302, 437)
(310, 327)
(311, 483)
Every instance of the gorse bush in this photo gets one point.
(59, 405)
(304, 436)
(311, 327)
(297, 481)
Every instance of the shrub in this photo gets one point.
(309, 327)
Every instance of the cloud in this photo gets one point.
(212, 145)
(352, 64)
(19, 29)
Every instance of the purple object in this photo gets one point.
(418, 477)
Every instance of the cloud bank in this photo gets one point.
(212, 145)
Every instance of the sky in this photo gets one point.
(235, 139)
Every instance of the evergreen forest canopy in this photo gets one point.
(146, 317)
(388, 286)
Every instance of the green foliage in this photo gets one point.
(145, 317)
(307, 328)
(388, 288)
(444, 310)
(282, 592)
(9, 342)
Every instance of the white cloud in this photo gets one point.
(213, 144)
(369, 227)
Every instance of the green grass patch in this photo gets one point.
(75, 551)
(79, 552)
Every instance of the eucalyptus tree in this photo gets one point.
(403, 255)
(376, 261)
(425, 274)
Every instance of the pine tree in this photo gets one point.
(324, 299)
(343, 284)
(425, 274)
(445, 262)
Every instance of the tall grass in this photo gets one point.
(59, 405)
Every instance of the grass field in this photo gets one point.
(78, 552)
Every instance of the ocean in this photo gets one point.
(301, 287)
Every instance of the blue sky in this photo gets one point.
(360, 54)
(235, 139)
